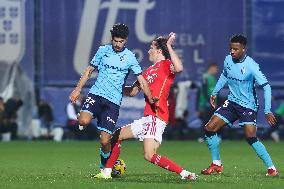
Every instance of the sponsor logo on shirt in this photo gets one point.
(151, 77)
(122, 58)
(113, 67)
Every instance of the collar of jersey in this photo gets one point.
(242, 60)
(159, 61)
(118, 51)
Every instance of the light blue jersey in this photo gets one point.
(241, 78)
(113, 68)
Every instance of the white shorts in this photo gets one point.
(148, 127)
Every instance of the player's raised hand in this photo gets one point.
(270, 119)
(212, 101)
(74, 95)
(172, 38)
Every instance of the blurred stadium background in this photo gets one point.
(45, 45)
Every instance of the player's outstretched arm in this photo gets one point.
(84, 78)
(131, 90)
(219, 85)
(262, 81)
(145, 88)
(177, 63)
(134, 90)
(267, 105)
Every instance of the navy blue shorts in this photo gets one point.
(231, 111)
(105, 111)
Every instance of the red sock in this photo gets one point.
(166, 163)
(114, 155)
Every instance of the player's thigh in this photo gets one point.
(126, 133)
(154, 128)
(247, 116)
(107, 119)
(88, 111)
(250, 130)
(215, 123)
(225, 114)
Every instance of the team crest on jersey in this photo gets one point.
(243, 70)
(122, 58)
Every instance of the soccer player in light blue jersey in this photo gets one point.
(240, 73)
(113, 62)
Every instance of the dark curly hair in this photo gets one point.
(161, 43)
(119, 30)
(239, 38)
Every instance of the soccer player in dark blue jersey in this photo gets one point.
(113, 62)
(240, 73)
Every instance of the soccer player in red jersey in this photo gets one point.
(149, 129)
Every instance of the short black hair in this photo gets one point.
(161, 43)
(239, 38)
(119, 30)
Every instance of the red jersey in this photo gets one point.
(160, 78)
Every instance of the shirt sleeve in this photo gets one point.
(267, 99)
(262, 81)
(98, 57)
(258, 75)
(220, 83)
(134, 65)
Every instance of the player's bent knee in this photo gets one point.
(84, 121)
(210, 128)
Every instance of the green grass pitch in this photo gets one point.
(45, 164)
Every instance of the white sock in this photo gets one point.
(217, 162)
(107, 171)
(184, 173)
